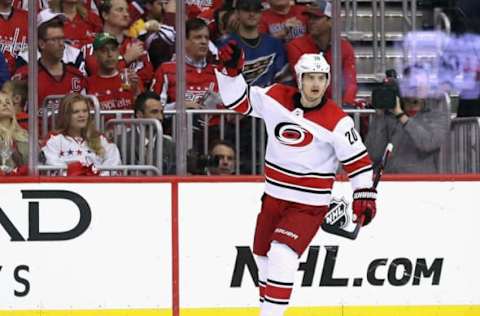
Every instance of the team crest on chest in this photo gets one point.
(292, 134)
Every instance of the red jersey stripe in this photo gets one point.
(305, 181)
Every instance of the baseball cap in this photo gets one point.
(102, 39)
(47, 15)
(252, 5)
(319, 8)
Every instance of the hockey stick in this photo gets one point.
(337, 219)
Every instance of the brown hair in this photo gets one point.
(57, 6)
(90, 134)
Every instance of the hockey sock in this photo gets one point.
(262, 275)
(281, 268)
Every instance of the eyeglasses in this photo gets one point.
(55, 39)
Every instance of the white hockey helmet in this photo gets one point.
(311, 63)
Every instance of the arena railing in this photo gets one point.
(140, 141)
(121, 170)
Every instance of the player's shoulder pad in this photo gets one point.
(328, 116)
(283, 94)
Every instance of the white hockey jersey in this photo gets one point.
(61, 149)
(304, 148)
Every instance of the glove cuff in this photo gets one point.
(365, 194)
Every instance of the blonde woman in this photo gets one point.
(13, 138)
(77, 140)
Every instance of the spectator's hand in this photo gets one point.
(398, 107)
(133, 52)
(152, 26)
(192, 105)
(281, 34)
(232, 58)
(364, 205)
(293, 22)
(134, 80)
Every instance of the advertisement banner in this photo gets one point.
(419, 252)
(85, 247)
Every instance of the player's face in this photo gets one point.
(53, 44)
(118, 15)
(319, 26)
(249, 19)
(107, 56)
(6, 106)
(153, 110)
(314, 85)
(196, 44)
(226, 160)
(78, 117)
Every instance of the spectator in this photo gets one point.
(148, 106)
(265, 58)
(13, 138)
(77, 140)
(417, 126)
(283, 20)
(18, 90)
(200, 76)
(55, 77)
(13, 28)
(114, 90)
(71, 55)
(155, 16)
(81, 24)
(132, 53)
(195, 7)
(318, 39)
(159, 37)
(224, 22)
(4, 73)
(223, 161)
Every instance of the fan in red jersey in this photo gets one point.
(132, 52)
(54, 76)
(81, 24)
(283, 20)
(308, 136)
(200, 75)
(13, 28)
(114, 89)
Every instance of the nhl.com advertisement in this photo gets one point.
(107, 249)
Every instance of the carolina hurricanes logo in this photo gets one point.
(294, 135)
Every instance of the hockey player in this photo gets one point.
(308, 135)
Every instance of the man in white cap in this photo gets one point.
(308, 136)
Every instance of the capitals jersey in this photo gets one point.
(110, 93)
(265, 63)
(61, 149)
(199, 81)
(304, 146)
(72, 80)
(272, 22)
(14, 32)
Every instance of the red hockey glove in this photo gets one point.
(364, 204)
(232, 58)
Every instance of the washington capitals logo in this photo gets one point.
(292, 134)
